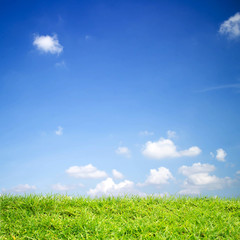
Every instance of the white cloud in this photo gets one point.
(21, 188)
(212, 155)
(158, 176)
(59, 132)
(109, 187)
(221, 154)
(198, 178)
(238, 172)
(48, 44)
(116, 174)
(88, 171)
(123, 151)
(171, 134)
(146, 133)
(204, 179)
(165, 148)
(61, 187)
(196, 168)
(231, 27)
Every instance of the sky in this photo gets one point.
(122, 97)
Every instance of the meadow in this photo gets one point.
(63, 217)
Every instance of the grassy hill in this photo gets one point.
(63, 217)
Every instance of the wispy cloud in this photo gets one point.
(61, 187)
(123, 151)
(48, 44)
(231, 27)
(221, 87)
(21, 188)
(171, 134)
(59, 132)
(87, 37)
(61, 64)
(146, 133)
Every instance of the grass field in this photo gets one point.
(62, 217)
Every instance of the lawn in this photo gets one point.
(63, 217)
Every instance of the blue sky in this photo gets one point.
(120, 97)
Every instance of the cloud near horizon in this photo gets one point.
(61, 187)
(109, 187)
(21, 188)
(198, 179)
(165, 148)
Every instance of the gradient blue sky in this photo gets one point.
(148, 88)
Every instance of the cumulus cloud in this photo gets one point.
(21, 188)
(238, 172)
(198, 178)
(109, 187)
(231, 27)
(48, 44)
(116, 174)
(196, 168)
(146, 133)
(59, 131)
(221, 154)
(158, 176)
(171, 134)
(165, 148)
(88, 171)
(123, 151)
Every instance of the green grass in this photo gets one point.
(60, 217)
